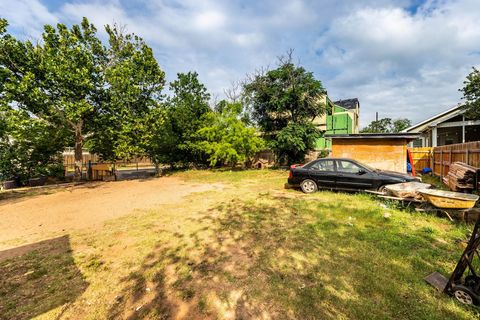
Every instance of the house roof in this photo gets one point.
(436, 119)
(348, 103)
(402, 135)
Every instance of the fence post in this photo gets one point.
(449, 159)
(466, 157)
(89, 170)
(441, 163)
(432, 159)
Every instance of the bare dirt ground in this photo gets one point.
(88, 205)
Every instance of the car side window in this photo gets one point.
(348, 167)
(323, 165)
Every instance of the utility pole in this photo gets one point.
(376, 116)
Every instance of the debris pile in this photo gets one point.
(461, 177)
(407, 189)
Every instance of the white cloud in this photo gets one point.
(26, 17)
(402, 64)
(209, 20)
(398, 62)
(247, 39)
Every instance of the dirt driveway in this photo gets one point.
(87, 205)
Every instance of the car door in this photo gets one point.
(323, 173)
(353, 176)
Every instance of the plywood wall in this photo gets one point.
(385, 154)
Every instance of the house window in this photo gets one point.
(472, 133)
(449, 135)
(418, 143)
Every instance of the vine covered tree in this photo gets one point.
(284, 102)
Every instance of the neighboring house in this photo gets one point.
(448, 127)
(342, 117)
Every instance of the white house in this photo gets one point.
(445, 128)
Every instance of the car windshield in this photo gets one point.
(367, 166)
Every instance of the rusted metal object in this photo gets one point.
(464, 282)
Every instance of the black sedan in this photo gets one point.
(342, 174)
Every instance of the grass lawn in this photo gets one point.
(250, 251)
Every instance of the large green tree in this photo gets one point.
(71, 80)
(58, 80)
(284, 102)
(185, 110)
(471, 94)
(226, 138)
(159, 141)
(135, 82)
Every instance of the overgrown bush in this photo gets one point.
(226, 139)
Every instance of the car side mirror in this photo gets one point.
(361, 171)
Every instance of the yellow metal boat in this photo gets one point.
(449, 199)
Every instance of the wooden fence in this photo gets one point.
(69, 160)
(134, 163)
(262, 159)
(443, 156)
(440, 158)
(421, 158)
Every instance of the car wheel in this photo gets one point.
(383, 189)
(465, 295)
(308, 186)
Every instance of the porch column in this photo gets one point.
(463, 129)
(434, 136)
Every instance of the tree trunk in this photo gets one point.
(158, 173)
(78, 151)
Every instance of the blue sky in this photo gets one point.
(402, 58)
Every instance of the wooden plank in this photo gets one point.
(101, 167)
(402, 199)
(447, 214)
(437, 280)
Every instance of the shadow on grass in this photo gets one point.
(145, 294)
(291, 259)
(37, 278)
(13, 196)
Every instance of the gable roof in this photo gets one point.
(436, 119)
(348, 103)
